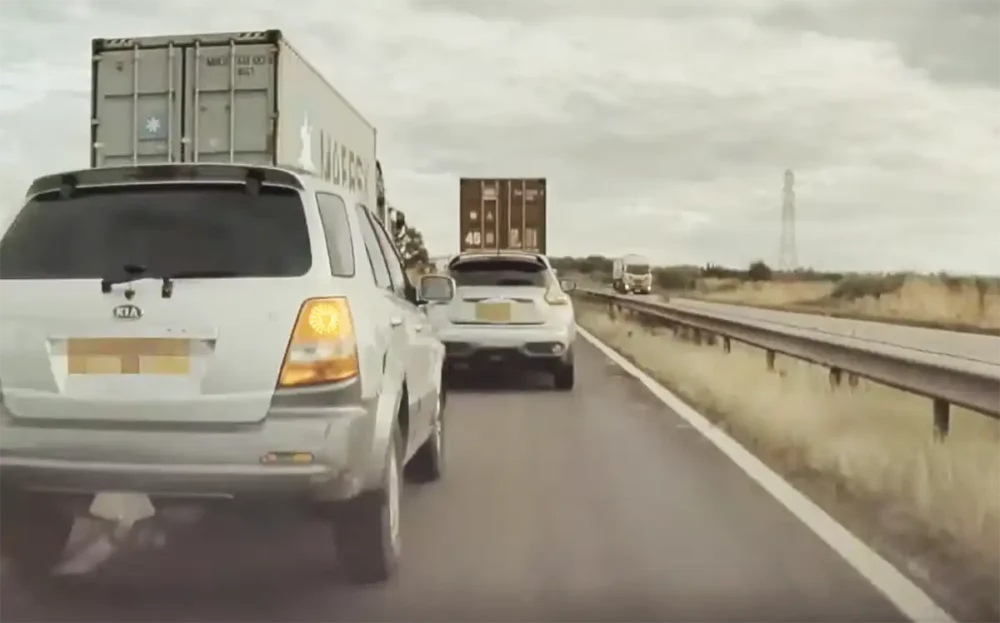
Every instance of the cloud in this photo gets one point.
(664, 128)
(954, 42)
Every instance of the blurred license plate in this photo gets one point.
(493, 312)
(128, 356)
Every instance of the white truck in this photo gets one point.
(244, 97)
(632, 273)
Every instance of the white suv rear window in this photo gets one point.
(168, 228)
(500, 272)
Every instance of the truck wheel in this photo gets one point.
(563, 376)
(427, 465)
(366, 528)
(33, 534)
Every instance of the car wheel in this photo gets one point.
(427, 465)
(366, 528)
(33, 534)
(563, 375)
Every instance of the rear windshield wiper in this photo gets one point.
(132, 272)
(138, 271)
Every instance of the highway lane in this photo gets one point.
(599, 504)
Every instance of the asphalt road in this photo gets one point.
(594, 505)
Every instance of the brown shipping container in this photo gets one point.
(504, 213)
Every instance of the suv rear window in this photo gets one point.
(167, 228)
(500, 273)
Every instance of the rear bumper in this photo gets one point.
(528, 347)
(250, 462)
(184, 481)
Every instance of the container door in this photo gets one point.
(137, 109)
(503, 214)
(492, 208)
(531, 215)
(229, 94)
(515, 214)
(481, 206)
(523, 215)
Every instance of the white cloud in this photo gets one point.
(664, 128)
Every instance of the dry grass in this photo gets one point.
(873, 441)
(769, 293)
(926, 299)
(935, 299)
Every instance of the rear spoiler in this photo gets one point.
(253, 176)
(472, 255)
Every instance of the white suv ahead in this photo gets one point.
(509, 310)
(190, 332)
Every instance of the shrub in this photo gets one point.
(861, 286)
(759, 271)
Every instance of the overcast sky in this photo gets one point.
(664, 127)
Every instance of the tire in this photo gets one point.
(366, 528)
(33, 534)
(563, 376)
(427, 465)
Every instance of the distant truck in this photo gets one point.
(502, 214)
(230, 97)
(632, 273)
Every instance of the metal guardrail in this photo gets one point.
(943, 385)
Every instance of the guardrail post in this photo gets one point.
(942, 419)
(696, 337)
(726, 344)
(770, 360)
(852, 380)
(710, 339)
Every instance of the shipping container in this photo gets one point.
(504, 213)
(230, 97)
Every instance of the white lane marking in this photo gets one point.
(913, 602)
